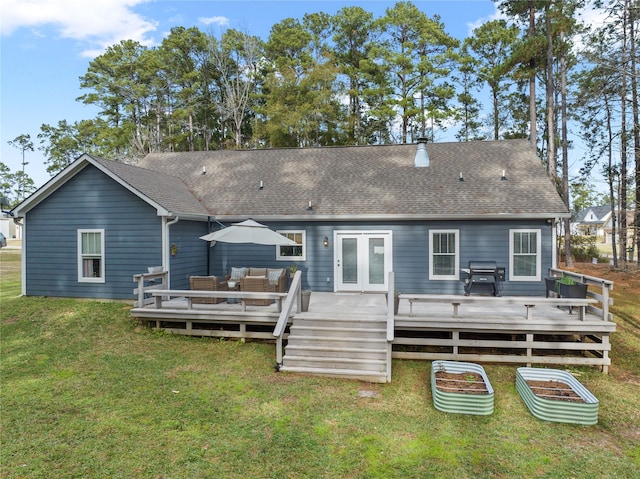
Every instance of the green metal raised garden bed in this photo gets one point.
(556, 396)
(460, 387)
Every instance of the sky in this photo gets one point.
(47, 45)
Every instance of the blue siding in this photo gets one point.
(479, 240)
(133, 241)
(191, 258)
(90, 200)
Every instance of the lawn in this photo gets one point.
(88, 393)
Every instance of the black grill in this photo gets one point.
(483, 277)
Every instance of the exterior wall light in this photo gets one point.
(325, 242)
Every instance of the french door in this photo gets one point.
(363, 260)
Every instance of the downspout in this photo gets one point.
(209, 246)
(166, 247)
(554, 242)
(210, 221)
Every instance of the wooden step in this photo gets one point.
(342, 323)
(338, 347)
(326, 351)
(368, 376)
(378, 365)
(337, 342)
(339, 332)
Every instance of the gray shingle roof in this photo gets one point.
(367, 181)
(360, 181)
(601, 213)
(168, 191)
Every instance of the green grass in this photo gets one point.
(87, 393)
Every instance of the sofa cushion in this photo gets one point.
(274, 275)
(237, 274)
(257, 272)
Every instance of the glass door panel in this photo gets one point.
(376, 261)
(363, 261)
(349, 260)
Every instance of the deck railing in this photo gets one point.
(603, 295)
(148, 282)
(295, 294)
(391, 292)
(391, 312)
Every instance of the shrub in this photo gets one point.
(583, 249)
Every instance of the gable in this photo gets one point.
(167, 195)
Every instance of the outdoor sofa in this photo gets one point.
(276, 277)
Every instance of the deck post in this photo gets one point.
(605, 353)
(455, 340)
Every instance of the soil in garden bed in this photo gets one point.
(554, 390)
(465, 383)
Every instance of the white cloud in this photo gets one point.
(219, 21)
(496, 15)
(98, 23)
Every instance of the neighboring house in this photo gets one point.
(591, 222)
(9, 228)
(631, 228)
(357, 212)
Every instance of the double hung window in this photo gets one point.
(524, 255)
(91, 256)
(444, 251)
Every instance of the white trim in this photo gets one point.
(362, 286)
(303, 243)
(537, 277)
(456, 275)
(398, 217)
(81, 277)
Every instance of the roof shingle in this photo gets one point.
(356, 181)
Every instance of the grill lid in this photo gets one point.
(483, 267)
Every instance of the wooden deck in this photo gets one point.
(503, 330)
(518, 330)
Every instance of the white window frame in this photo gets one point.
(90, 279)
(432, 274)
(538, 254)
(303, 234)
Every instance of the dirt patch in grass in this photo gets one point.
(464, 383)
(554, 390)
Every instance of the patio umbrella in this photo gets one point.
(249, 231)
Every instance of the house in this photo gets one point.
(591, 222)
(607, 227)
(423, 211)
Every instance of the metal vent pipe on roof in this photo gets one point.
(422, 157)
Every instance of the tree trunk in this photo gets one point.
(623, 142)
(496, 114)
(533, 135)
(191, 136)
(636, 124)
(551, 141)
(565, 149)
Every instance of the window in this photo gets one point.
(91, 256)
(444, 254)
(524, 255)
(296, 253)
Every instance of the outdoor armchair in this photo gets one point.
(207, 283)
(257, 284)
